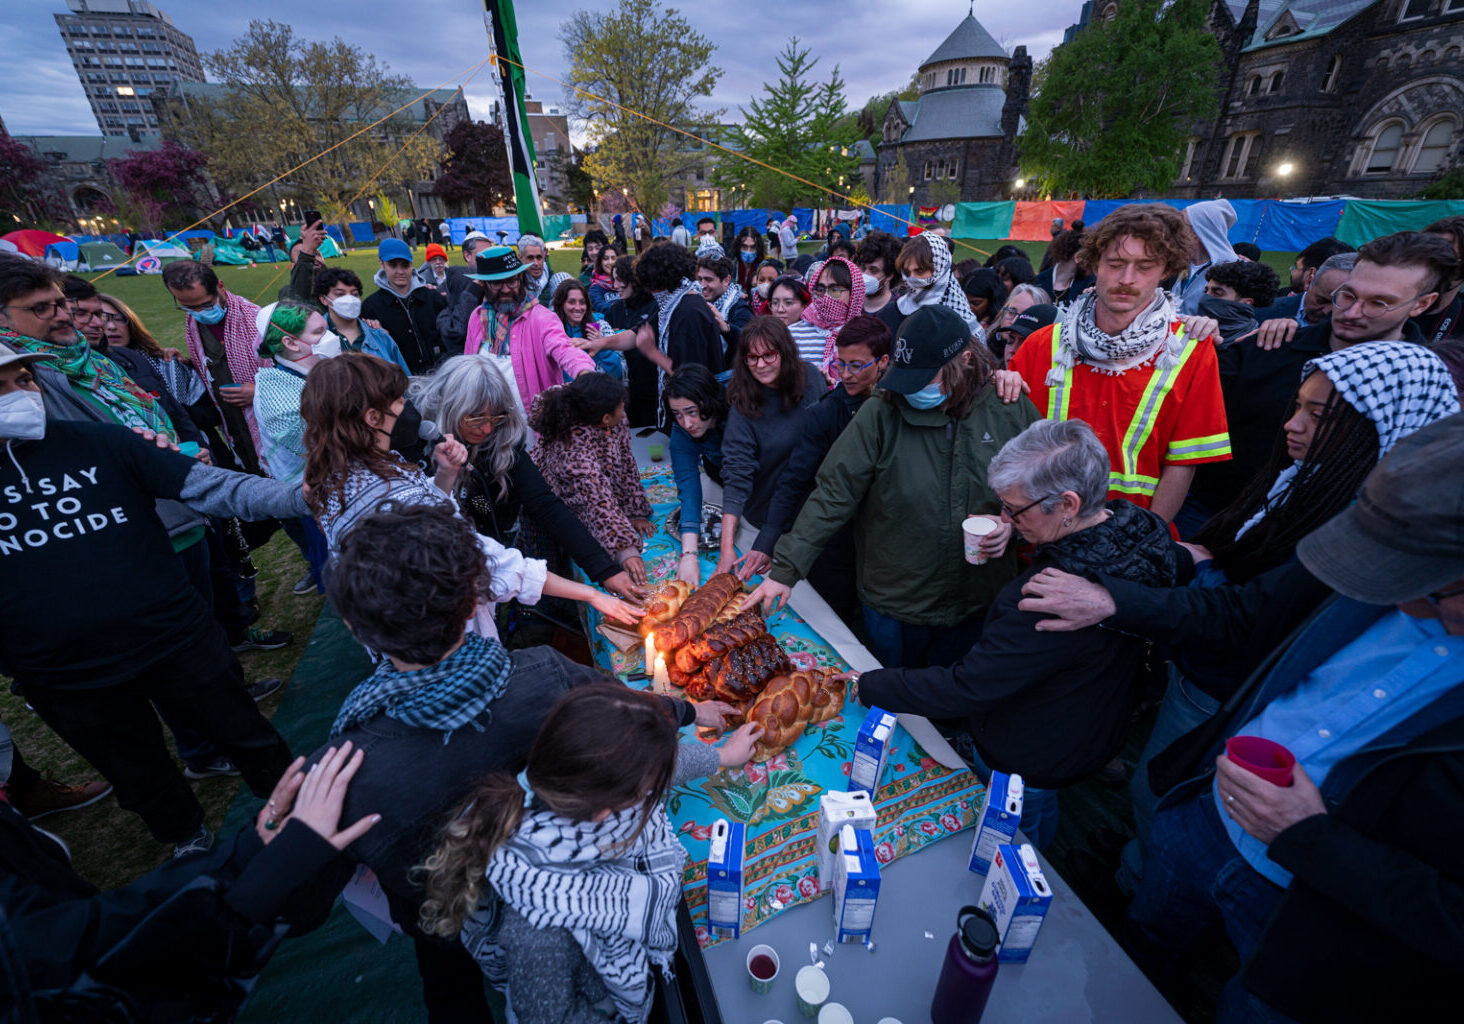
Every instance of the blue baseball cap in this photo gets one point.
(393, 249)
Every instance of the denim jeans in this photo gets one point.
(904, 645)
(1039, 807)
(1185, 707)
(1195, 879)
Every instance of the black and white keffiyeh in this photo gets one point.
(1401, 387)
(727, 298)
(1079, 339)
(944, 289)
(616, 892)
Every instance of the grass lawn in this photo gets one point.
(110, 845)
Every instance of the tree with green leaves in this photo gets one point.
(285, 100)
(637, 73)
(799, 127)
(1114, 105)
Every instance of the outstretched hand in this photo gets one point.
(1074, 603)
(315, 799)
(737, 750)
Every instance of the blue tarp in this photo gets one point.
(490, 226)
(68, 251)
(1275, 225)
(361, 231)
(891, 217)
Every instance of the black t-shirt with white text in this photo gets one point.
(91, 592)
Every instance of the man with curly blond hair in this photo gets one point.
(1120, 359)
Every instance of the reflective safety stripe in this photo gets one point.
(1057, 397)
(1198, 448)
(1132, 484)
(1146, 416)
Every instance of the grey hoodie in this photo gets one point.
(1210, 221)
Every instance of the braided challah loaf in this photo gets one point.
(697, 612)
(663, 604)
(789, 704)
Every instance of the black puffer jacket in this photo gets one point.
(1052, 706)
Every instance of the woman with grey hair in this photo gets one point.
(1050, 706)
(500, 483)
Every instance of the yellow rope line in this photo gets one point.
(471, 69)
(730, 152)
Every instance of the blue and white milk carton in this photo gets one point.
(1017, 896)
(856, 885)
(724, 879)
(997, 820)
(871, 750)
(835, 810)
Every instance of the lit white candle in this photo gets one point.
(650, 653)
(662, 679)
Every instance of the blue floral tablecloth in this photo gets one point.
(919, 801)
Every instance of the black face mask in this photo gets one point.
(405, 434)
(1236, 318)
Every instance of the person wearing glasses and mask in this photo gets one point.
(861, 357)
(905, 473)
(1052, 707)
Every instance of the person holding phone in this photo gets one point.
(305, 261)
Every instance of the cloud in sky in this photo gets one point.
(876, 44)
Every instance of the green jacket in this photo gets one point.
(907, 478)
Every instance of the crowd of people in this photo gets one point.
(1241, 508)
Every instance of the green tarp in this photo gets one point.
(1363, 220)
(983, 220)
(555, 224)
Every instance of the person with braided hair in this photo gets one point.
(1352, 407)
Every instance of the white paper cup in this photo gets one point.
(973, 528)
(762, 985)
(812, 985)
(835, 1013)
(888, 1020)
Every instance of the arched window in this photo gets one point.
(1413, 9)
(1254, 86)
(1434, 147)
(1385, 150)
(1276, 81)
(1334, 72)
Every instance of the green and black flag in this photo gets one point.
(503, 30)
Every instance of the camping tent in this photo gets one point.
(63, 255)
(99, 255)
(32, 242)
(160, 249)
(235, 255)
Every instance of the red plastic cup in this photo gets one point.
(1271, 761)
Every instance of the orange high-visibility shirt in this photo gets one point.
(1145, 417)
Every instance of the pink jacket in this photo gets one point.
(541, 353)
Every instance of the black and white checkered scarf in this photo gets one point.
(1080, 340)
(616, 892)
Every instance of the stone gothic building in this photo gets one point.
(963, 127)
(1328, 97)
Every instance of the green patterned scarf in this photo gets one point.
(102, 379)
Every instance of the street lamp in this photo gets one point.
(1021, 183)
(1285, 168)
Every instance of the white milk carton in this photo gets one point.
(997, 820)
(856, 885)
(1017, 896)
(724, 879)
(871, 748)
(835, 810)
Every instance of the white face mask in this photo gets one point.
(347, 307)
(329, 346)
(871, 284)
(918, 283)
(22, 416)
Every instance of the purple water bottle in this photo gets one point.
(969, 970)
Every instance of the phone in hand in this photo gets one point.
(312, 217)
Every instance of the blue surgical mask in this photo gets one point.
(749, 257)
(927, 397)
(212, 315)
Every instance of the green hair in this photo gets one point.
(288, 320)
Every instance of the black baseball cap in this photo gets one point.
(1033, 318)
(1404, 536)
(929, 338)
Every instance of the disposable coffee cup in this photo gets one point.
(812, 985)
(762, 985)
(1271, 761)
(835, 1013)
(973, 529)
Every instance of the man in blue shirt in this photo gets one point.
(1343, 892)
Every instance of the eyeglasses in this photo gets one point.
(1008, 315)
(112, 318)
(1007, 509)
(487, 419)
(196, 309)
(1439, 596)
(833, 291)
(43, 310)
(759, 358)
(1344, 298)
(847, 368)
(783, 303)
(77, 313)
